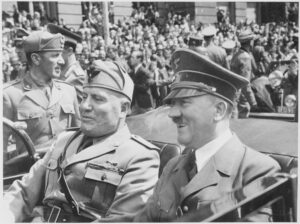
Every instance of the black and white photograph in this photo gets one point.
(149, 111)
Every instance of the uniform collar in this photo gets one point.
(30, 83)
(204, 153)
(106, 145)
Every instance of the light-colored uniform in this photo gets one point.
(109, 181)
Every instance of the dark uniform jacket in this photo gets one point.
(75, 76)
(109, 181)
(233, 166)
(241, 64)
(143, 88)
(217, 54)
(24, 101)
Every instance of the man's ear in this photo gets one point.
(35, 58)
(220, 110)
(70, 50)
(125, 105)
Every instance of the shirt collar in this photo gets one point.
(204, 153)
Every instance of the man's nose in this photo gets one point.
(61, 61)
(85, 104)
(174, 111)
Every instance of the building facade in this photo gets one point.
(74, 12)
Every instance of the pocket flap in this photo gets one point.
(103, 174)
(68, 108)
(25, 114)
(52, 164)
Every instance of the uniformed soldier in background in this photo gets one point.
(46, 105)
(100, 172)
(215, 53)
(214, 161)
(242, 64)
(196, 43)
(71, 71)
(21, 35)
(229, 46)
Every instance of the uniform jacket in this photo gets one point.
(217, 54)
(112, 178)
(24, 101)
(233, 166)
(142, 88)
(241, 64)
(75, 76)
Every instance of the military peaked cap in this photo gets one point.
(209, 31)
(110, 75)
(195, 74)
(195, 40)
(69, 36)
(228, 44)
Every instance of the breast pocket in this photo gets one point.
(32, 118)
(67, 112)
(104, 180)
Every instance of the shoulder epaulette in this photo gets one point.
(62, 82)
(11, 83)
(144, 142)
(73, 129)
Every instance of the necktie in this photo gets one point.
(193, 166)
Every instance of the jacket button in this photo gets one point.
(185, 208)
(103, 177)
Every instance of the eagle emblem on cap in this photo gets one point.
(176, 62)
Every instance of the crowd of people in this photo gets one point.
(143, 34)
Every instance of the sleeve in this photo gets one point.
(245, 66)
(259, 166)
(77, 81)
(7, 113)
(76, 118)
(23, 195)
(135, 188)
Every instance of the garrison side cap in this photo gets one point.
(42, 41)
(20, 33)
(69, 35)
(195, 75)
(110, 75)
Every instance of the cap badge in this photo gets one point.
(176, 62)
(62, 41)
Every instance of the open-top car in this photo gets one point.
(273, 135)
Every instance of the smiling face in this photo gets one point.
(101, 111)
(50, 64)
(193, 117)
